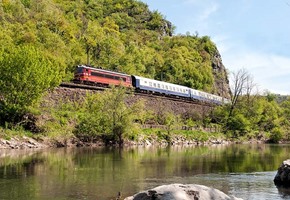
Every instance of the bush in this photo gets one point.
(26, 74)
(276, 135)
(108, 116)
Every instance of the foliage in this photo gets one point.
(25, 75)
(276, 135)
(108, 116)
(59, 120)
(262, 115)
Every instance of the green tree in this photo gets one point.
(25, 75)
(108, 116)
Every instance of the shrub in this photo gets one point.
(26, 74)
(276, 135)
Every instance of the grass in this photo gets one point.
(197, 136)
(7, 134)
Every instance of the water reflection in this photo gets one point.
(284, 192)
(246, 171)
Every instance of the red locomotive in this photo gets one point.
(101, 77)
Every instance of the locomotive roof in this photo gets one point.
(102, 70)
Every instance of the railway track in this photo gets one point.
(171, 98)
(150, 95)
(81, 86)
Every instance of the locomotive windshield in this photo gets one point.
(79, 70)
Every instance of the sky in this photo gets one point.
(249, 34)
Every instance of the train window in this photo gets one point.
(154, 84)
(150, 84)
(97, 74)
(108, 76)
(158, 85)
(166, 86)
(145, 82)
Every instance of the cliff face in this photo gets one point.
(221, 84)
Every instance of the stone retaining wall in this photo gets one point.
(155, 103)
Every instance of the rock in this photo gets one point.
(283, 175)
(182, 192)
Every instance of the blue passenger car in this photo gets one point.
(154, 86)
(194, 94)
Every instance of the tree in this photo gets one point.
(241, 83)
(25, 75)
(108, 116)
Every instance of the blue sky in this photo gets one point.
(250, 34)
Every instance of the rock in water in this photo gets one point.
(182, 192)
(283, 175)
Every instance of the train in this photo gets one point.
(104, 78)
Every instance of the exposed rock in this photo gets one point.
(283, 175)
(21, 143)
(221, 85)
(182, 192)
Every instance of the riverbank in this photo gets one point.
(25, 142)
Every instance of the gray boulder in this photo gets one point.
(283, 175)
(182, 192)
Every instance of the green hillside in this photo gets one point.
(122, 35)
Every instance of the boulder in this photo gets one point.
(182, 192)
(283, 175)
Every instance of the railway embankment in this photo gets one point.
(152, 102)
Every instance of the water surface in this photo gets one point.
(246, 171)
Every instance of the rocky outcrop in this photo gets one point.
(182, 192)
(283, 175)
(21, 143)
(221, 84)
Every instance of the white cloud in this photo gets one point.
(207, 12)
(270, 71)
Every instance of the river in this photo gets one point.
(245, 171)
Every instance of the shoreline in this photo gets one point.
(24, 142)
